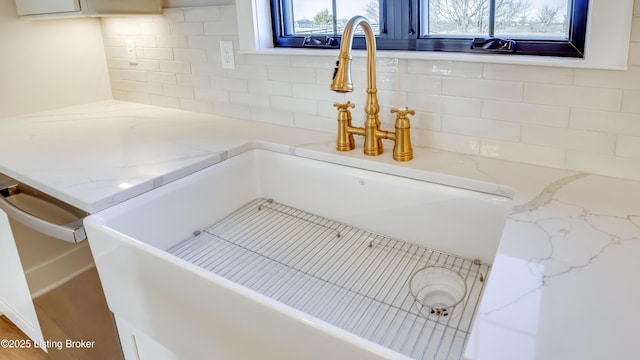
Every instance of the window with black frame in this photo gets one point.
(523, 27)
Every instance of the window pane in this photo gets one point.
(540, 27)
(532, 18)
(315, 17)
(457, 17)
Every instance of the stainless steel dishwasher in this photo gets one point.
(49, 287)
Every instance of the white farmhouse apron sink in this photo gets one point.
(277, 256)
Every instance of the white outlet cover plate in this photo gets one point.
(226, 54)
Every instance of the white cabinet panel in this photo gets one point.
(15, 297)
(35, 9)
(31, 7)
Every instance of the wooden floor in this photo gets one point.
(75, 311)
(9, 331)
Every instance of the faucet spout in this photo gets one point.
(342, 73)
(342, 80)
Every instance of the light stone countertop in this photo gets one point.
(562, 283)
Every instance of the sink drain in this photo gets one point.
(437, 290)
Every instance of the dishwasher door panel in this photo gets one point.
(48, 284)
(15, 296)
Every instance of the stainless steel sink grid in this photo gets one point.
(348, 277)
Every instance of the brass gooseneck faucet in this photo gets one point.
(372, 133)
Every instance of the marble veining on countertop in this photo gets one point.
(563, 282)
(96, 155)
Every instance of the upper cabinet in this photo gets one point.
(67, 8)
(34, 7)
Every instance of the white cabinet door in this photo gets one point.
(32, 7)
(15, 297)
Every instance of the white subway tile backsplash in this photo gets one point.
(248, 72)
(580, 119)
(236, 85)
(609, 78)
(611, 122)
(143, 65)
(270, 87)
(523, 113)
(178, 67)
(294, 75)
(493, 129)
(276, 60)
(133, 75)
(122, 26)
(323, 62)
(483, 89)
(229, 27)
(203, 42)
(424, 84)
(272, 116)
(128, 86)
(575, 96)
(426, 121)
(119, 40)
(444, 141)
(194, 81)
(532, 154)
(207, 69)
(197, 105)
(155, 28)
(173, 15)
(634, 54)
(172, 41)
(148, 88)
(232, 110)
(569, 138)
(327, 110)
(536, 74)
(295, 105)
(445, 68)
(445, 104)
(324, 76)
(124, 85)
(635, 28)
(228, 11)
(214, 56)
(181, 92)
(314, 92)
(187, 28)
(213, 95)
(202, 14)
(113, 52)
(631, 101)
(157, 53)
(386, 100)
(257, 100)
(162, 78)
(314, 122)
(628, 146)
(392, 65)
(190, 55)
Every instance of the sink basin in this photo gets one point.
(268, 254)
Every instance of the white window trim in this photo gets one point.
(607, 47)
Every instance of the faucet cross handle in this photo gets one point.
(402, 151)
(344, 106)
(402, 113)
(344, 139)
